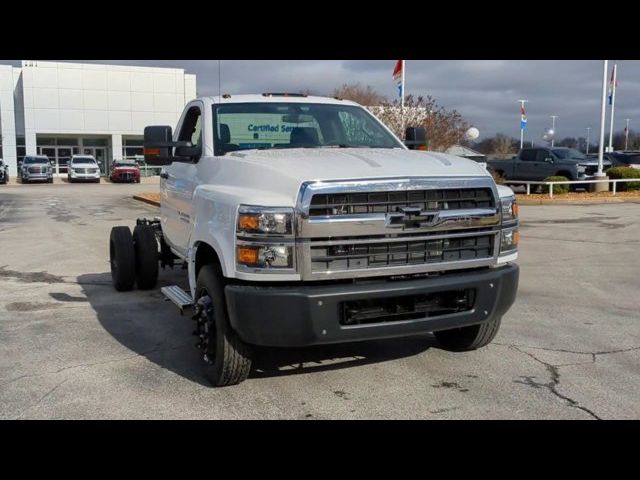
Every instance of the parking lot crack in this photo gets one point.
(553, 384)
(156, 349)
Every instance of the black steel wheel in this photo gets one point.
(469, 338)
(227, 359)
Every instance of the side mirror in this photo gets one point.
(158, 145)
(416, 138)
(548, 160)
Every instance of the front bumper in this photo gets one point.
(84, 176)
(303, 315)
(32, 177)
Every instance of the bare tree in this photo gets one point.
(356, 92)
(444, 127)
(501, 144)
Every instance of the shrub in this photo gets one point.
(497, 177)
(624, 172)
(564, 188)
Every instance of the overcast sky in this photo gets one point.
(484, 92)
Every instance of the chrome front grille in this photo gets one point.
(395, 227)
(346, 256)
(392, 201)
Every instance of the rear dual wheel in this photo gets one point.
(133, 258)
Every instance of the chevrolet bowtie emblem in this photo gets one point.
(411, 217)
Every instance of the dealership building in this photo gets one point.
(62, 109)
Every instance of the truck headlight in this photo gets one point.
(509, 240)
(265, 256)
(509, 209)
(265, 220)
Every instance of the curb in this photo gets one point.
(577, 201)
(144, 199)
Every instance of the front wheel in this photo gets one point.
(469, 338)
(227, 358)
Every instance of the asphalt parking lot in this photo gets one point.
(72, 347)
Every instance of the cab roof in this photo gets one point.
(275, 98)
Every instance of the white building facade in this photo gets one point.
(63, 109)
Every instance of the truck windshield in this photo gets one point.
(246, 126)
(569, 153)
(36, 160)
(82, 160)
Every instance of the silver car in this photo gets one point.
(36, 168)
(4, 172)
(83, 167)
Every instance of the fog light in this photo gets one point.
(510, 240)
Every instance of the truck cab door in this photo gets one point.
(543, 166)
(523, 166)
(178, 183)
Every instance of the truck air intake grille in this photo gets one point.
(390, 254)
(413, 307)
(383, 202)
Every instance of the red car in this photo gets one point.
(124, 171)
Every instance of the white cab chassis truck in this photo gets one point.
(304, 220)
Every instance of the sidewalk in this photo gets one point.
(152, 198)
(574, 198)
(153, 180)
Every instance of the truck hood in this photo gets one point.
(322, 164)
(274, 177)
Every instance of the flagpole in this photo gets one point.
(603, 118)
(522, 102)
(613, 104)
(402, 97)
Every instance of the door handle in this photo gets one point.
(164, 175)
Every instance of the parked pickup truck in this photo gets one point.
(304, 220)
(536, 164)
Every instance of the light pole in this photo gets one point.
(588, 132)
(603, 110)
(553, 126)
(626, 135)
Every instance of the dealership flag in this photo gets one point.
(523, 118)
(613, 84)
(398, 76)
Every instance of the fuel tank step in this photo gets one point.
(178, 296)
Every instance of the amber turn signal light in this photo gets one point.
(516, 237)
(247, 221)
(515, 209)
(152, 152)
(247, 255)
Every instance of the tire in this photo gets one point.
(50, 180)
(469, 338)
(122, 259)
(137, 180)
(147, 257)
(96, 181)
(229, 363)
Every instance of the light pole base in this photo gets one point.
(599, 187)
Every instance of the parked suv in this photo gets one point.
(125, 171)
(83, 167)
(536, 164)
(36, 168)
(4, 172)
